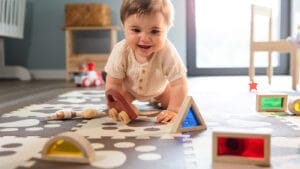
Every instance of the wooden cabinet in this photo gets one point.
(74, 60)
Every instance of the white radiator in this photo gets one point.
(12, 15)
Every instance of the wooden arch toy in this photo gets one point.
(69, 147)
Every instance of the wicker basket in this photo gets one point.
(89, 14)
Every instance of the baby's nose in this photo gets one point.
(144, 37)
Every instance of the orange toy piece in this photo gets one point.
(119, 108)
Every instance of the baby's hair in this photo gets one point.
(144, 7)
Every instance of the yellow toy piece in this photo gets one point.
(69, 147)
(294, 106)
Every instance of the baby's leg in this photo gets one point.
(164, 97)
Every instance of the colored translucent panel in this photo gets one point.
(243, 147)
(297, 106)
(190, 120)
(63, 147)
(271, 102)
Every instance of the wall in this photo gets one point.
(42, 50)
(296, 17)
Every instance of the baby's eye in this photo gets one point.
(155, 31)
(136, 30)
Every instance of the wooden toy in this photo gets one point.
(294, 106)
(67, 114)
(188, 118)
(238, 147)
(271, 102)
(119, 108)
(87, 76)
(69, 147)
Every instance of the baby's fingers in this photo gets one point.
(166, 116)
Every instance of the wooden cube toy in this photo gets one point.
(271, 102)
(241, 147)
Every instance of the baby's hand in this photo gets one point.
(166, 116)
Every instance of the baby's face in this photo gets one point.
(145, 34)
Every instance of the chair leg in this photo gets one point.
(270, 68)
(251, 66)
(295, 68)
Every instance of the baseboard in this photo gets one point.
(48, 74)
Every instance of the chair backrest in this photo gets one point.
(12, 16)
(261, 11)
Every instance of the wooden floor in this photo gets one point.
(15, 94)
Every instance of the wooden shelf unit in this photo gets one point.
(74, 60)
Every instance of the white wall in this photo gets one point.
(295, 17)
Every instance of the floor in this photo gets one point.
(15, 94)
(224, 103)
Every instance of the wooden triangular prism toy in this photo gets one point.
(188, 118)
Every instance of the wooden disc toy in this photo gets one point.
(294, 106)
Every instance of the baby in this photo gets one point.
(145, 66)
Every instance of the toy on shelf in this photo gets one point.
(69, 147)
(271, 102)
(67, 114)
(188, 118)
(87, 76)
(294, 106)
(241, 147)
(119, 108)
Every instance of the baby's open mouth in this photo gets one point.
(144, 46)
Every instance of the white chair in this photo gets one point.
(271, 46)
(12, 15)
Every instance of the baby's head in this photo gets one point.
(147, 7)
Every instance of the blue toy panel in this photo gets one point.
(190, 120)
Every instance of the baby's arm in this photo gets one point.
(114, 83)
(117, 84)
(178, 92)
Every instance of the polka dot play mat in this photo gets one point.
(143, 143)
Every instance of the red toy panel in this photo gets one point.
(245, 147)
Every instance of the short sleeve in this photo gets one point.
(173, 66)
(116, 63)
